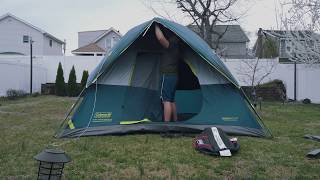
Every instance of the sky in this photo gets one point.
(65, 18)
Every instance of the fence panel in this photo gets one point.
(15, 73)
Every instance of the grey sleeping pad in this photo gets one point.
(314, 153)
(312, 137)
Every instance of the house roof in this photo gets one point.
(93, 47)
(32, 26)
(103, 33)
(107, 32)
(89, 48)
(301, 34)
(230, 33)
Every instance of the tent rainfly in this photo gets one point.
(122, 93)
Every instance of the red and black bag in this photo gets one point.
(214, 141)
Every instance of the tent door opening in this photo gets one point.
(188, 95)
(142, 98)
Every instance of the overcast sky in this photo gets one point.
(64, 18)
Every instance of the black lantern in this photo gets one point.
(51, 163)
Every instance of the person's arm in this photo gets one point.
(161, 38)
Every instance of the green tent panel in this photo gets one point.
(122, 93)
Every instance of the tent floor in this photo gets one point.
(156, 127)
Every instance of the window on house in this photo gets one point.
(50, 42)
(25, 39)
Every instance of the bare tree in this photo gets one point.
(253, 72)
(299, 22)
(300, 15)
(207, 13)
(204, 14)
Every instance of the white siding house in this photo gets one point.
(228, 41)
(96, 43)
(15, 35)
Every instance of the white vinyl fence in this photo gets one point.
(307, 77)
(15, 73)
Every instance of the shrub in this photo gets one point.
(306, 101)
(60, 87)
(84, 79)
(72, 83)
(272, 90)
(15, 94)
(274, 83)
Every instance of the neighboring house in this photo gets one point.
(228, 41)
(289, 45)
(96, 43)
(15, 35)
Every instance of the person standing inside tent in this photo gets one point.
(169, 72)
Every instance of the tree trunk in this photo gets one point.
(208, 33)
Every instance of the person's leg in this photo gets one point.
(167, 111)
(168, 88)
(174, 111)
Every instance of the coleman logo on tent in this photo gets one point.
(229, 118)
(102, 117)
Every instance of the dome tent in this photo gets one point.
(122, 93)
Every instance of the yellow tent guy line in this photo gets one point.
(71, 125)
(134, 122)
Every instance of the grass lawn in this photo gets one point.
(27, 126)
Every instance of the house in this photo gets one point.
(16, 35)
(228, 41)
(289, 46)
(96, 43)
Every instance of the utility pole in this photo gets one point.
(295, 82)
(31, 65)
(64, 47)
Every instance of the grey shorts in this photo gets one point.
(168, 87)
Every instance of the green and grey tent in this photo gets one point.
(122, 93)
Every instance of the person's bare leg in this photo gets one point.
(174, 111)
(167, 111)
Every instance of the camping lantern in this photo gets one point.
(51, 163)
